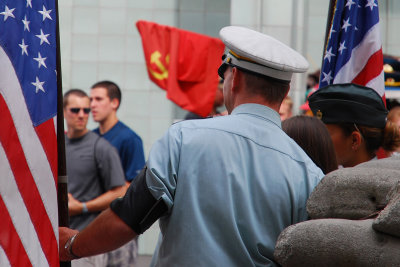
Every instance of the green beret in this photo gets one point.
(349, 103)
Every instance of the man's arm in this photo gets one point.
(107, 232)
(131, 215)
(99, 203)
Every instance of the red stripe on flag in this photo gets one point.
(371, 70)
(48, 138)
(10, 241)
(384, 99)
(27, 186)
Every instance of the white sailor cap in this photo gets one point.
(259, 53)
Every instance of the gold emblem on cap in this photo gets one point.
(241, 57)
(319, 114)
(391, 82)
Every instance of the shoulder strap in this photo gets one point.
(97, 163)
(94, 151)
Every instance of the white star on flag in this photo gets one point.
(342, 47)
(29, 3)
(7, 13)
(350, 3)
(371, 4)
(42, 37)
(41, 60)
(45, 13)
(24, 47)
(346, 24)
(26, 24)
(327, 77)
(39, 85)
(329, 54)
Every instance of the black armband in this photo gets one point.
(138, 208)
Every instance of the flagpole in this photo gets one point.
(332, 5)
(62, 192)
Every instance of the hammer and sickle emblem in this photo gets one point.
(155, 59)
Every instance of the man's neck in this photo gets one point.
(107, 124)
(245, 99)
(76, 133)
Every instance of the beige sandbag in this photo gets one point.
(336, 242)
(352, 193)
(388, 220)
(392, 163)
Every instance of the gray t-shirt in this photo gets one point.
(93, 168)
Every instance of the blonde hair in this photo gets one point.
(288, 100)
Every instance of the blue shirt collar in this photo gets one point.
(259, 110)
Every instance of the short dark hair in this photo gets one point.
(113, 91)
(272, 90)
(313, 137)
(77, 92)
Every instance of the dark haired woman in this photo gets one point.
(356, 120)
(312, 136)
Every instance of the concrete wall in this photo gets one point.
(99, 40)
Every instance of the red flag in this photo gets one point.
(28, 145)
(183, 63)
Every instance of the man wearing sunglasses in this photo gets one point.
(95, 174)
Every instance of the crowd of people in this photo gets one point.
(221, 188)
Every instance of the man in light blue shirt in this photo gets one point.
(223, 188)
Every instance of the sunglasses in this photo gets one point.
(76, 110)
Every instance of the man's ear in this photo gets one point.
(237, 77)
(115, 103)
(356, 139)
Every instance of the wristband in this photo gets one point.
(84, 208)
(68, 247)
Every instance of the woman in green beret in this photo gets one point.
(356, 120)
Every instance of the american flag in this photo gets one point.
(28, 151)
(353, 51)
